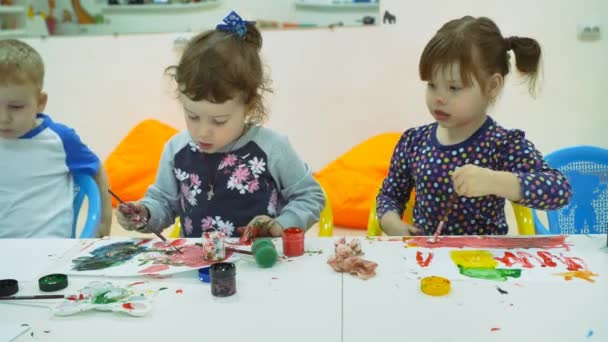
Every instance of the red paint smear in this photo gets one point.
(423, 262)
(76, 297)
(494, 329)
(274, 278)
(179, 291)
(191, 256)
(175, 243)
(547, 258)
(510, 259)
(137, 283)
(544, 242)
(143, 242)
(128, 306)
(154, 269)
(571, 263)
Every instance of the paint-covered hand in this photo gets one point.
(473, 181)
(132, 216)
(266, 226)
(393, 225)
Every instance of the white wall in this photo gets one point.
(336, 88)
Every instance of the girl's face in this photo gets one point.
(214, 126)
(451, 103)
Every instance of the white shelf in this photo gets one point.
(12, 9)
(11, 33)
(159, 8)
(337, 6)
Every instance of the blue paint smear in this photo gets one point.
(590, 333)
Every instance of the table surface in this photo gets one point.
(303, 299)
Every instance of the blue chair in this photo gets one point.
(586, 168)
(85, 185)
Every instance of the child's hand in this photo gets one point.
(473, 181)
(132, 216)
(392, 225)
(267, 226)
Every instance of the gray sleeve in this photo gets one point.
(302, 194)
(162, 197)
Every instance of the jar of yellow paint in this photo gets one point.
(435, 286)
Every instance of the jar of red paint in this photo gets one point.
(293, 242)
(223, 279)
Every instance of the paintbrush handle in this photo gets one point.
(32, 297)
(234, 250)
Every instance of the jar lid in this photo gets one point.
(8, 287)
(222, 270)
(53, 282)
(203, 274)
(266, 256)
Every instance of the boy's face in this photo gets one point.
(19, 105)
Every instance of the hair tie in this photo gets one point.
(233, 24)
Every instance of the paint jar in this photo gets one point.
(214, 248)
(264, 252)
(293, 242)
(223, 279)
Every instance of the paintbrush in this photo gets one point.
(444, 219)
(32, 297)
(145, 222)
(241, 251)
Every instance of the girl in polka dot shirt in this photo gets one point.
(465, 158)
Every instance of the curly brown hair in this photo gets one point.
(217, 66)
(478, 46)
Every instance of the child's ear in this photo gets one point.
(42, 98)
(495, 84)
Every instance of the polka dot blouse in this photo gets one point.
(420, 162)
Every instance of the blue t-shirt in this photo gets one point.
(36, 183)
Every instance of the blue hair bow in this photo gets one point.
(234, 24)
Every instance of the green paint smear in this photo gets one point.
(103, 299)
(497, 274)
(162, 288)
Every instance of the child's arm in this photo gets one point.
(524, 177)
(395, 191)
(303, 196)
(161, 198)
(101, 178)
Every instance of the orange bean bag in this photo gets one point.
(132, 166)
(352, 181)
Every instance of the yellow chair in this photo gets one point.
(326, 221)
(523, 215)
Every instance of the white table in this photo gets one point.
(308, 301)
(303, 303)
(391, 307)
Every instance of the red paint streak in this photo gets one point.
(175, 243)
(143, 242)
(275, 278)
(547, 258)
(128, 306)
(179, 291)
(137, 283)
(154, 269)
(510, 259)
(543, 242)
(573, 263)
(494, 329)
(423, 262)
(76, 297)
(191, 256)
